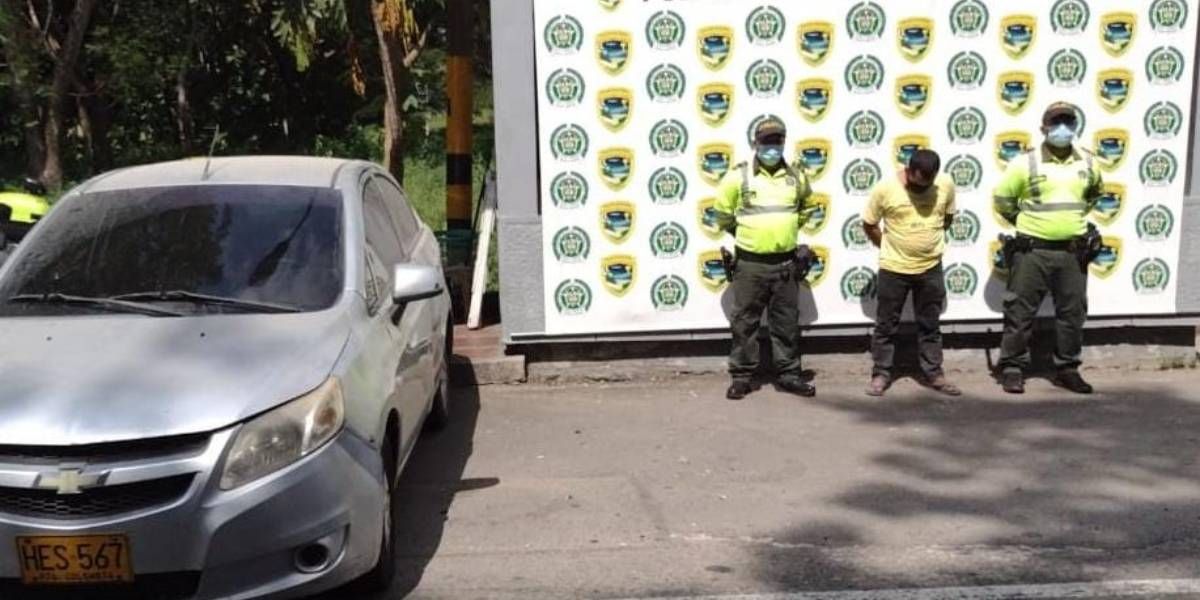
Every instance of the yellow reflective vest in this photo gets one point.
(1047, 197)
(767, 208)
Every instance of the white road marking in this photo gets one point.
(1056, 591)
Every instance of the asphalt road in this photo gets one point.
(666, 489)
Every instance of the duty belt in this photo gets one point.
(1040, 244)
(773, 258)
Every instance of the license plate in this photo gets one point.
(63, 560)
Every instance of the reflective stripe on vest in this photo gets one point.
(1034, 202)
(749, 209)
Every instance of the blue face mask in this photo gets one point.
(1060, 136)
(770, 156)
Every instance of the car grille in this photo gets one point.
(166, 586)
(113, 452)
(95, 502)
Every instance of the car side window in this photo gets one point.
(374, 281)
(380, 230)
(406, 222)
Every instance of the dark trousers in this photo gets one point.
(1033, 275)
(758, 286)
(928, 291)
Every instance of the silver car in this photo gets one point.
(211, 375)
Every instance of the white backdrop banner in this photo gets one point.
(645, 104)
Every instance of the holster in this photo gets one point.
(730, 261)
(803, 264)
(1088, 247)
(1010, 246)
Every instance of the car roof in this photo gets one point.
(301, 171)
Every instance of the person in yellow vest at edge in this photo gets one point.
(915, 208)
(762, 204)
(1047, 194)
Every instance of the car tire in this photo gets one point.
(439, 413)
(383, 574)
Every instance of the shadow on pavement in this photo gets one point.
(1026, 490)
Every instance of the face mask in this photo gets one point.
(1060, 136)
(770, 156)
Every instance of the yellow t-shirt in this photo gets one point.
(913, 226)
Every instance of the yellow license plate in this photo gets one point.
(47, 560)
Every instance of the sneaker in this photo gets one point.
(793, 385)
(1013, 383)
(1072, 381)
(940, 384)
(879, 384)
(739, 389)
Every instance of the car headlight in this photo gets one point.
(283, 436)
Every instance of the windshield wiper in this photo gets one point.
(111, 304)
(205, 299)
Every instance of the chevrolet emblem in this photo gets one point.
(70, 481)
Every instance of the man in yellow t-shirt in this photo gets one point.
(907, 218)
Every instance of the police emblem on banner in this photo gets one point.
(1155, 223)
(716, 102)
(961, 281)
(715, 160)
(1159, 168)
(1010, 145)
(610, 5)
(866, 22)
(706, 217)
(571, 245)
(1015, 89)
(906, 145)
(619, 273)
(865, 129)
(616, 167)
(966, 171)
(1109, 260)
(915, 37)
(715, 45)
(814, 155)
(819, 270)
(1168, 16)
(969, 18)
(666, 83)
(712, 270)
(617, 220)
(1112, 146)
(1067, 68)
(854, 236)
(668, 240)
(864, 75)
(573, 298)
(1165, 66)
(1070, 17)
(765, 78)
(1164, 121)
(967, 71)
(614, 50)
(669, 294)
(668, 138)
(913, 94)
(1018, 34)
(1151, 276)
(815, 41)
(860, 176)
(569, 143)
(967, 125)
(814, 96)
(668, 186)
(819, 207)
(564, 35)
(666, 30)
(858, 284)
(755, 123)
(565, 88)
(1117, 31)
(615, 107)
(964, 229)
(1110, 204)
(569, 190)
(1113, 87)
(765, 26)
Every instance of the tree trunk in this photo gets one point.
(95, 117)
(19, 50)
(64, 73)
(184, 123)
(389, 21)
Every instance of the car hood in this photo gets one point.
(86, 380)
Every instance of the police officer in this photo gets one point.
(761, 204)
(1047, 194)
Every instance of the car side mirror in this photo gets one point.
(411, 283)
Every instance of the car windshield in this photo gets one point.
(200, 249)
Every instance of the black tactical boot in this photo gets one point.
(1072, 381)
(739, 389)
(1013, 383)
(792, 385)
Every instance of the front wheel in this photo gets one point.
(380, 578)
